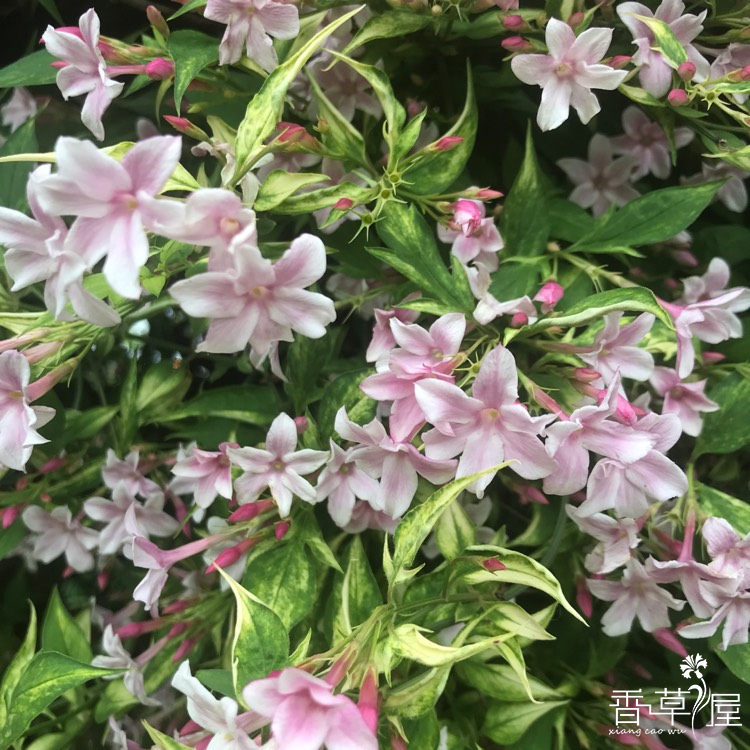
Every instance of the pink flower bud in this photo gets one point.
(280, 530)
(583, 598)
(530, 494)
(414, 107)
(301, 424)
(38, 388)
(156, 19)
(230, 556)
(745, 73)
(179, 606)
(672, 283)
(294, 137)
(22, 483)
(160, 69)
(586, 375)
(549, 295)
(686, 71)
(102, 579)
(669, 640)
(514, 23)
(250, 511)
(492, 564)
(9, 515)
(134, 629)
(637, 273)
(641, 671)
(368, 702)
(177, 630)
(678, 97)
(191, 728)
(184, 126)
(519, 320)
(618, 62)
(685, 258)
(576, 19)
(54, 464)
(397, 743)
(343, 204)
(68, 572)
(516, 44)
(446, 143)
(184, 649)
(710, 358)
(41, 352)
(485, 194)
(45, 497)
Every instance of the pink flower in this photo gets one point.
(396, 464)
(489, 307)
(733, 193)
(343, 482)
(85, 71)
(346, 89)
(568, 73)
(209, 473)
(255, 301)
(382, 337)
(150, 517)
(707, 311)
(614, 349)
(125, 471)
(655, 72)
(635, 595)
(472, 236)
(686, 400)
(487, 428)
(730, 551)
(219, 717)
(20, 107)
(549, 295)
(18, 420)
(421, 354)
(111, 200)
(249, 24)
(646, 141)
(38, 251)
(601, 181)
(735, 57)
(279, 467)
(210, 217)
(306, 715)
(616, 538)
(59, 533)
(730, 599)
(629, 486)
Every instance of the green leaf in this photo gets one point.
(568, 221)
(716, 503)
(418, 522)
(354, 595)
(433, 171)
(261, 642)
(521, 570)
(454, 531)
(51, 8)
(46, 677)
(13, 176)
(162, 387)
(407, 138)
(305, 203)
(284, 579)
(524, 221)
(339, 136)
(513, 280)
(345, 391)
(395, 114)
(737, 659)
(501, 682)
(507, 722)
(633, 299)
(666, 41)
(218, 680)
(190, 5)
(640, 96)
(265, 108)
(190, 51)
(163, 741)
(11, 537)
(728, 429)
(413, 252)
(17, 666)
(83, 425)
(251, 404)
(655, 217)
(33, 70)
(60, 632)
(391, 23)
(279, 185)
(418, 695)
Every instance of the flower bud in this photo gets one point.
(446, 143)
(618, 62)
(280, 530)
(369, 700)
(685, 258)
(519, 320)
(467, 217)
(102, 579)
(250, 511)
(516, 44)
(160, 69)
(9, 515)
(177, 630)
(712, 357)
(668, 639)
(190, 728)
(549, 295)
(54, 464)
(678, 97)
(156, 19)
(686, 70)
(343, 204)
(586, 375)
(184, 649)
(134, 629)
(184, 126)
(514, 23)
(294, 137)
(302, 423)
(414, 107)
(583, 598)
(492, 564)
(576, 19)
